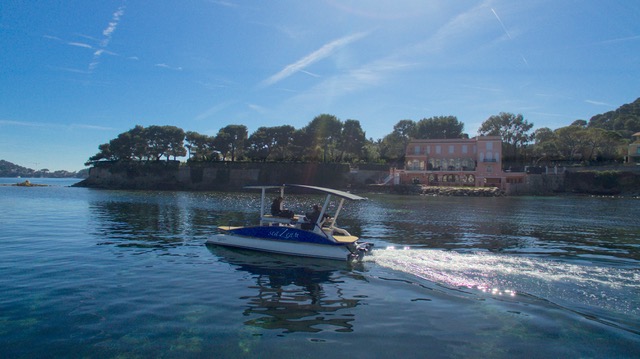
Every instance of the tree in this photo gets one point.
(352, 140)
(439, 127)
(392, 147)
(164, 141)
(322, 134)
(271, 143)
(625, 120)
(513, 129)
(405, 129)
(129, 145)
(230, 141)
(283, 137)
(200, 146)
(570, 142)
(371, 151)
(579, 123)
(545, 144)
(260, 145)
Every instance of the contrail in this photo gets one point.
(324, 51)
(501, 24)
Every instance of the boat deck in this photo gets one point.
(345, 239)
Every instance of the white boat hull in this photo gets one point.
(312, 250)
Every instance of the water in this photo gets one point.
(94, 273)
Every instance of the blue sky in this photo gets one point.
(75, 74)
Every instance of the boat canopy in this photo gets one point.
(325, 190)
(334, 192)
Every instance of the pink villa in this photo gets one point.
(475, 162)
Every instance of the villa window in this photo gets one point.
(489, 146)
(464, 148)
(438, 149)
(450, 149)
(416, 150)
(489, 157)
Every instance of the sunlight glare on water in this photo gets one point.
(613, 289)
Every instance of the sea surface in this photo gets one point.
(123, 274)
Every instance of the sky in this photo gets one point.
(74, 74)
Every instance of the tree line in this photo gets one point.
(329, 139)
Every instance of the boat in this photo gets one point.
(296, 234)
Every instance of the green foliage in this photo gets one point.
(579, 143)
(439, 127)
(351, 141)
(271, 143)
(140, 143)
(230, 141)
(321, 136)
(393, 146)
(514, 130)
(200, 147)
(327, 139)
(625, 120)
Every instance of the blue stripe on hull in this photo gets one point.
(313, 250)
(283, 234)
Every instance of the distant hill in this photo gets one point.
(625, 119)
(8, 169)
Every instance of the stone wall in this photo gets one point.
(223, 175)
(611, 182)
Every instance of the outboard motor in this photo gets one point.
(361, 250)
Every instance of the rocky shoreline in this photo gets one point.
(444, 191)
(26, 183)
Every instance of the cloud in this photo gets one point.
(370, 75)
(323, 52)
(464, 23)
(68, 69)
(598, 103)
(26, 124)
(214, 109)
(80, 44)
(257, 108)
(91, 127)
(112, 26)
(223, 3)
(165, 66)
(53, 125)
(52, 37)
(107, 34)
(622, 39)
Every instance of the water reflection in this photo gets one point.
(293, 294)
(159, 220)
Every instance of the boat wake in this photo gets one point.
(573, 286)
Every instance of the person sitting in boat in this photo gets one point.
(277, 211)
(313, 216)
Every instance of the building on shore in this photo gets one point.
(633, 154)
(474, 162)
